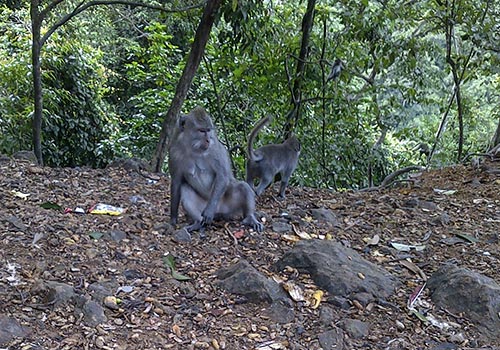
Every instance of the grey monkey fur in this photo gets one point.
(267, 161)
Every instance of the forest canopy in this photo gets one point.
(419, 81)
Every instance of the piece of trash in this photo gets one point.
(407, 247)
(415, 295)
(20, 194)
(372, 241)
(106, 209)
(125, 289)
(77, 210)
(445, 192)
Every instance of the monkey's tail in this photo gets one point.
(251, 137)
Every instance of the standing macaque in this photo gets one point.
(201, 176)
(267, 161)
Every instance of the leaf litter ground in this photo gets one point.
(453, 213)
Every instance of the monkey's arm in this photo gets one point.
(221, 181)
(175, 197)
(221, 167)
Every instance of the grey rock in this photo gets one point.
(10, 329)
(363, 298)
(461, 290)
(100, 290)
(281, 312)
(444, 346)
(325, 215)
(243, 279)
(339, 269)
(326, 315)
(281, 227)
(339, 302)
(25, 155)
(116, 235)
(93, 313)
(182, 236)
(355, 328)
(332, 339)
(54, 293)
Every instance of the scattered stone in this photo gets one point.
(460, 290)
(17, 223)
(182, 236)
(337, 269)
(325, 215)
(281, 312)
(444, 346)
(93, 313)
(53, 293)
(326, 315)
(339, 302)
(332, 339)
(419, 203)
(243, 279)
(134, 164)
(281, 227)
(25, 155)
(132, 274)
(355, 328)
(116, 235)
(102, 289)
(363, 298)
(10, 329)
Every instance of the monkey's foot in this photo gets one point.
(195, 226)
(253, 223)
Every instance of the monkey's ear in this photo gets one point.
(181, 122)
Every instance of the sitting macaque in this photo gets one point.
(201, 176)
(267, 161)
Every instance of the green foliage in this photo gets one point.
(15, 88)
(78, 123)
(154, 72)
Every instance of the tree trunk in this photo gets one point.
(195, 56)
(496, 138)
(307, 24)
(37, 80)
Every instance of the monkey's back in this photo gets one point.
(279, 158)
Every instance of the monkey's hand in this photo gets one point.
(207, 216)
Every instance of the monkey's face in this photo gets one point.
(203, 138)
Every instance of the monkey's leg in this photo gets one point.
(193, 204)
(284, 184)
(248, 207)
(264, 182)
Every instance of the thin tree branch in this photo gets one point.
(49, 8)
(83, 6)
